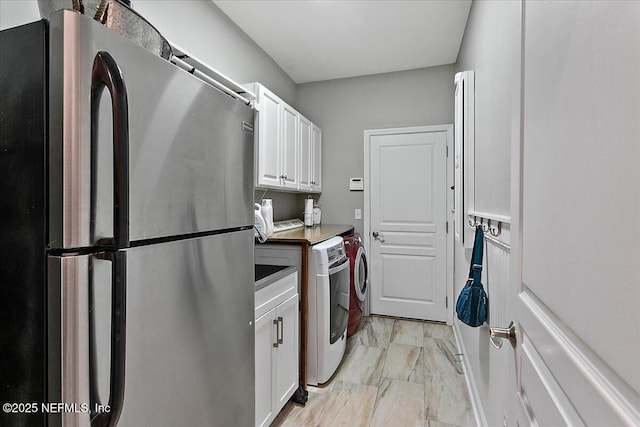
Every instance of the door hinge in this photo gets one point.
(447, 226)
(446, 302)
(447, 147)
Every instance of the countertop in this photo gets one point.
(267, 274)
(310, 235)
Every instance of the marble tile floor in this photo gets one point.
(396, 372)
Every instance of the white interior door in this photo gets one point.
(577, 204)
(407, 220)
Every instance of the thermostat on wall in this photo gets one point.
(356, 184)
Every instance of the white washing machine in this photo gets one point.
(328, 294)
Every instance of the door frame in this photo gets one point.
(366, 231)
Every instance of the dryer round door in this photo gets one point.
(361, 274)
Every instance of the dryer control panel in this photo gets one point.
(336, 253)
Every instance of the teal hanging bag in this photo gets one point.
(471, 306)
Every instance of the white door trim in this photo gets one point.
(367, 199)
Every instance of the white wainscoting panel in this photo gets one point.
(495, 277)
(486, 367)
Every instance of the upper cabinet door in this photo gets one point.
(316, 155)
(289, 147)
(268, 139)
(304, 144)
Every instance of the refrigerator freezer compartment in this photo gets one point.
(189, 159)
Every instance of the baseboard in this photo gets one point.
(474, 395)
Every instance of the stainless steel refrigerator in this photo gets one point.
(126, 251)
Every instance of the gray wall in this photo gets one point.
(344, 108)
(285, 205)
(491, 47)
(17, 12)
(200, 27)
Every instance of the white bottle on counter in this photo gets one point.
(259, 225)
(267, 214)
(308, 212)
(317, 215)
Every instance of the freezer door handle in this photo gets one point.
(106, 73)
(108, 415)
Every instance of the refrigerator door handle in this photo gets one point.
(106, 73)
(108, 415)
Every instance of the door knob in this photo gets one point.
(497, 334)
(378, 236)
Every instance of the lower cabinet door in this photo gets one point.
(286, 378)
(265, 367)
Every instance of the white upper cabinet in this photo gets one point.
(304, 142)
(288, 146)
(268, 151)
(289, 149)
(316, 159)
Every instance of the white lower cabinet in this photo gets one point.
(265, 363)
(277, 347)
(286, 372)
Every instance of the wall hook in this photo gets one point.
(495, 231)
(492, 226)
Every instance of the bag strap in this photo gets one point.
(475, 269)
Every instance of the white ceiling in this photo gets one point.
(315, 40)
